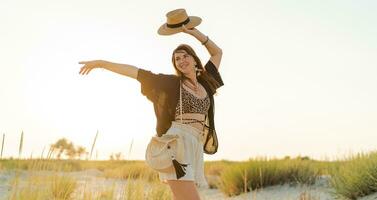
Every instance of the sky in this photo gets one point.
(300, 76)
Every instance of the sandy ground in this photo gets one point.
(93, 180)
(318, 191)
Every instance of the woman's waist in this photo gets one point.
(191, 116)
(195, 120)
(188, 129)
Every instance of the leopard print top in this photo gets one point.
(192, 104)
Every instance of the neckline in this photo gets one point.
(190, 91)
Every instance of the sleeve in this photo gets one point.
(212, 71)
(151, 84)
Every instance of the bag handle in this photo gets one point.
(180, 103)
(180, 98)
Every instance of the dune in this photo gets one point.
(320, 190)
(93, 180)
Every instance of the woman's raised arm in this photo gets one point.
(123, 69)
(215, 51)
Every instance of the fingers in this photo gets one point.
(88, 66)
(85, 70)
(87, 62)
(90, 69)
(80, 70)
(184, 28)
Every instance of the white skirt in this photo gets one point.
(193, 142)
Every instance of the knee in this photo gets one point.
(184, 190)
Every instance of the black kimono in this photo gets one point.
(163, 91)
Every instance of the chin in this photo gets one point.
(183, 72)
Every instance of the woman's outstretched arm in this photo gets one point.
(123, 69)
(215, 51)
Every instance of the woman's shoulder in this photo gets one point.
(146, 75)
(159, 82)
(153, 85)
(212, 70)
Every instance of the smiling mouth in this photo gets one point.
(184, 65)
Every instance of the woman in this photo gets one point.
(197, 84)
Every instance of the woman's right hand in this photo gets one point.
(89, 65)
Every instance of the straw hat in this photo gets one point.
(175, 20)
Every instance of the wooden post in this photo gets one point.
(2, 146)
(94, 143)
(21, 143)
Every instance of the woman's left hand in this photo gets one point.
(190, 31)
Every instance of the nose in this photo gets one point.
(183, 60)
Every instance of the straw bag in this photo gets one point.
(164, 153)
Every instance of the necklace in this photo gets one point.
(194, 87)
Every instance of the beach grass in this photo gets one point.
(351, 178)
(135, 171)
(262, 172)
(28, 183)
(356, 176)
(42, 187)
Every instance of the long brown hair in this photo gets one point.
(204, 76)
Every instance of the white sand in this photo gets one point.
(281, 192)
(93, 180)
(318, 191)
(369, 197)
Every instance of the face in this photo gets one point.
(184, 62)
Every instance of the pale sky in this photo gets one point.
(300, 76)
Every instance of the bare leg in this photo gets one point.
(184, 190)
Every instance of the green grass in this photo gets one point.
(356, 177)
(137, 170)
(142, 182)
(351, 178)
(43, 187)
(262, 172)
